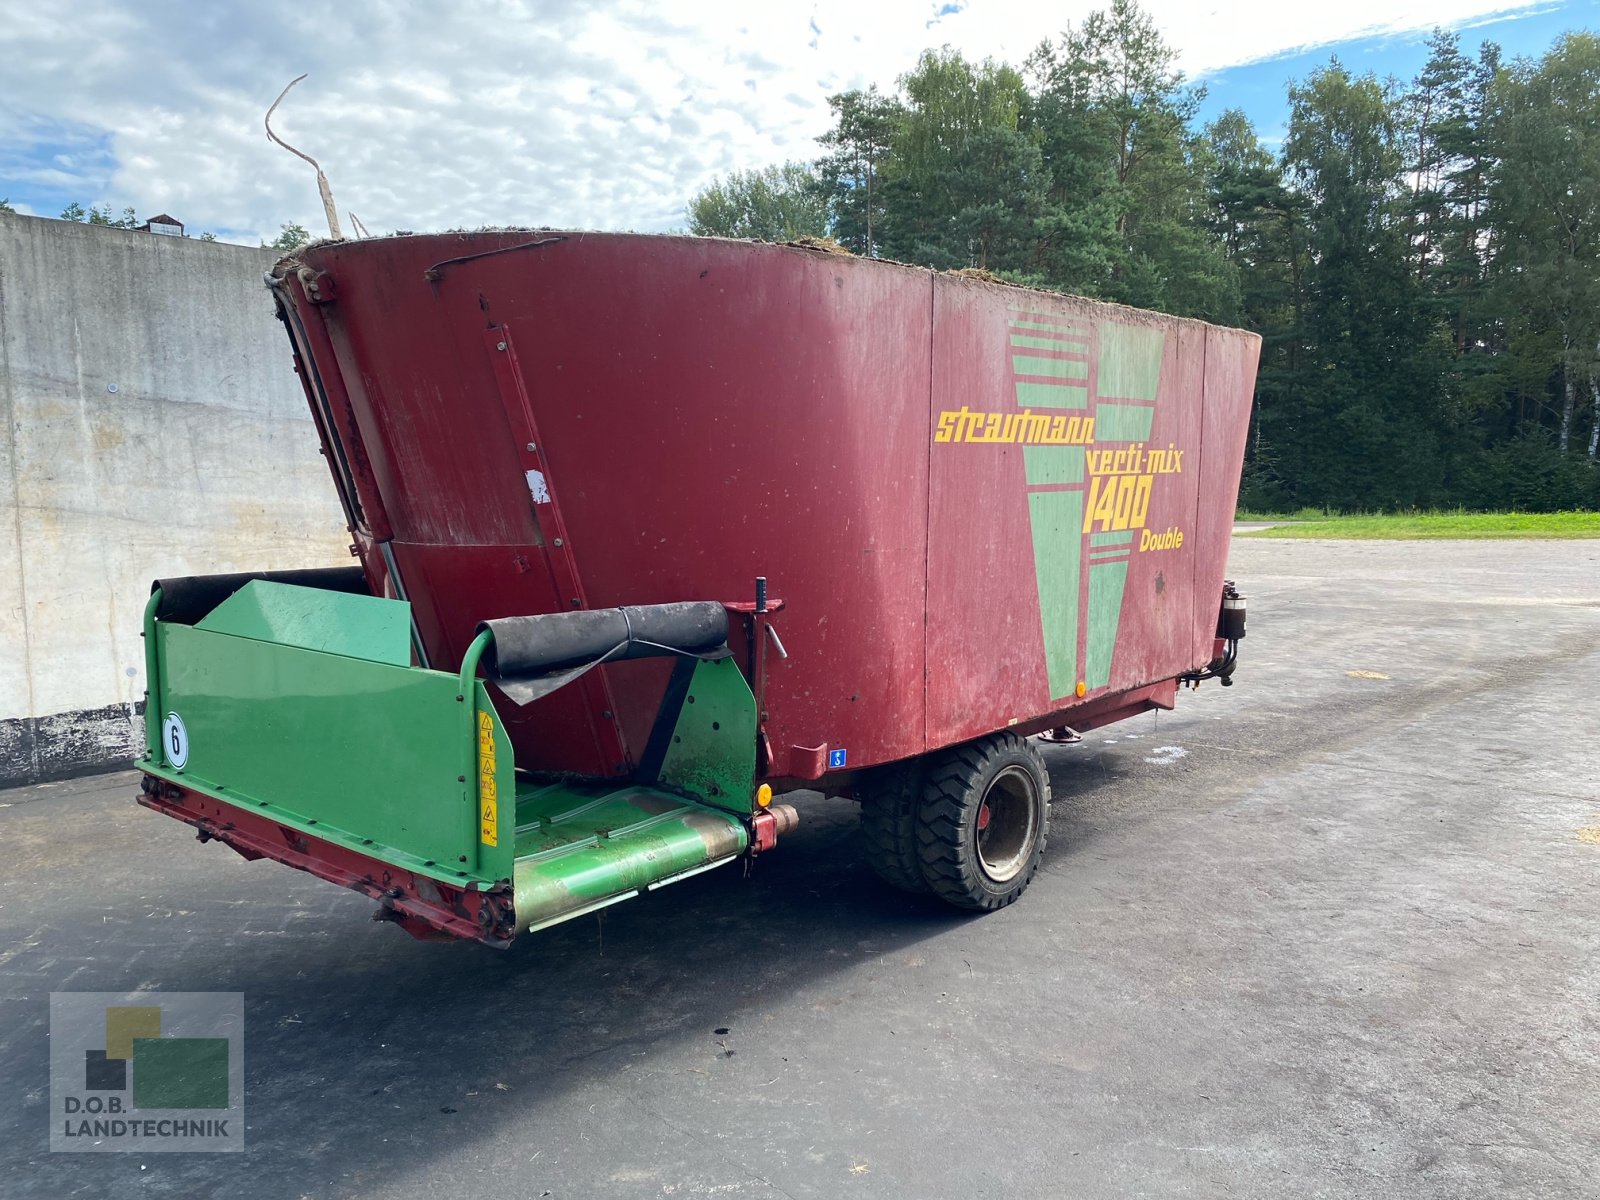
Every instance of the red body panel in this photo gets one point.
(548, 421)
(986, 654)
(1225, 426)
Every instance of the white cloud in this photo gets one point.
(550, 112)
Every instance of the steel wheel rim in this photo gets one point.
(1006, 821)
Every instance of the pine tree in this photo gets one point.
(850, 174)
(963, 184)
(1544, 195)
(1368, 432)
(1126, 210)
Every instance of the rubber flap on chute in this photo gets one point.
(187, 599)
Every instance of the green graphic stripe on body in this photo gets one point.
(1059, 330)
(1057, 547)
(1130, 361)
(1044, 314)
(1121, 422)
(1052, 395)
(1111, 539)
(1022, 341)
(1106, 583)
(1060, 368)
(1053, 464)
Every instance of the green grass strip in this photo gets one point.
(1435, 525)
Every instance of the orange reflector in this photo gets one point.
(764, 795)
(1081, 688)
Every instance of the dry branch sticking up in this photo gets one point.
(322, 180)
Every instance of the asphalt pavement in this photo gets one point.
(1334, 931)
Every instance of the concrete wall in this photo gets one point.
(151, 424)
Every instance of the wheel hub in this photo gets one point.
(1005, 824)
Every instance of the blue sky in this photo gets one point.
(46, 163)
(580, 113)
(1260, 88)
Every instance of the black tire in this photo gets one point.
(890, 797)
(983, 821)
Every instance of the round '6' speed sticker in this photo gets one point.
(175, 741)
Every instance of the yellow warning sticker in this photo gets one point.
(488, 791)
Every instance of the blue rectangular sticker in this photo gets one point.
(836, 759)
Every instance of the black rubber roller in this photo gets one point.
(534, 645)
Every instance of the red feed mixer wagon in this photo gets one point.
(651, 529)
